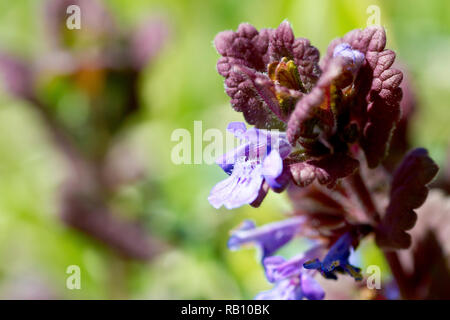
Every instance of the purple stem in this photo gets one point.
(366, 199)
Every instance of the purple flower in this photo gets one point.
(353, 59)
(336, 260)
(266, 71)
(269, 237)
(292, 282)
(338, 116)
(259, 159)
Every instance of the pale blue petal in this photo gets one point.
(272, 168)
(242, 187)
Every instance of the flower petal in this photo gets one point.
(353, 59)
(242, 187)
(311, 288)
(240, 86)
(261, 195)
(272, 168)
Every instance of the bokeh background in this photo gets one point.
(189, 258)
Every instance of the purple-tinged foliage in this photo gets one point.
(283, 44)
(327, 170)
(257, 161)
(147, 41)
(100, 43)
(103, 64)
(408, 192)
(320, 124)
(248, 56)
(338, 119)
(327, 213)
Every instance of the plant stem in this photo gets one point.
(85, 210)
(364, 196)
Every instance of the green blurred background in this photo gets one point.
(181, 86)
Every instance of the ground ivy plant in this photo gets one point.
(321, 131)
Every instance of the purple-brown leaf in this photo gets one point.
(147, 41)
(246, 45)
(378, 93)
(246, 55)
(408, 192)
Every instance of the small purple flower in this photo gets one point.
(278, 268)
(259, 159)
(340, 115)
(336, 260)
(353, 58)
(292, 282)
(269, 237)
